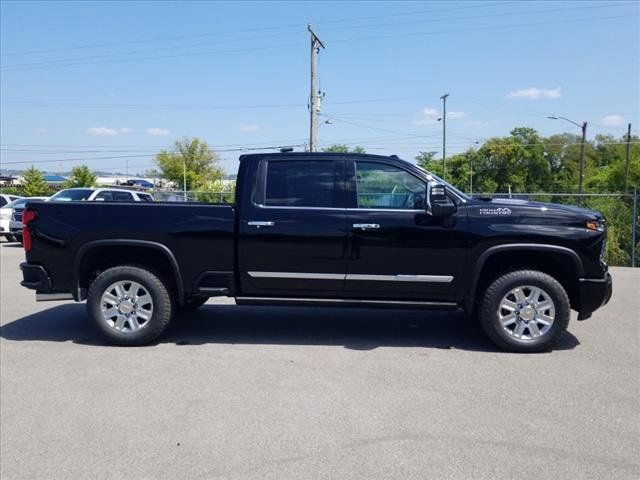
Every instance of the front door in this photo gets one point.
(293, 236)
(397, 250)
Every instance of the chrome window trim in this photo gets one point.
(350, 209)
(354, 277)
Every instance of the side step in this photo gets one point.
(343, 302)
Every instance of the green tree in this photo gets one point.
(427, 161)
(199, 161)
(81, 176)
(33, 183)
(339, 148)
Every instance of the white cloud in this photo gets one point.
(432, 115)
(125, 130)
(612, 120)
(102, 131)
(249, 128)
(158, 132)
(429, 116)
(534, 93)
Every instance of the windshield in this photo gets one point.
(74, 195)
(449, 186)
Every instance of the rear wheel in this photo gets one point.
(525, 311)
(129, 305)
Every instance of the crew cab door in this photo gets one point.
(398, 251)
(292, 232)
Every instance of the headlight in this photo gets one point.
(595, 225)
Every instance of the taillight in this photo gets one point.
(27, 217)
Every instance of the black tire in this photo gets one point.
(490, 307)
(162, 305)
(11, 238)
(191, 303)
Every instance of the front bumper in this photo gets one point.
(594, 293)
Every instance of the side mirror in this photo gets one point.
(438, 202)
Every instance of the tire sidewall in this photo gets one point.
(162, 305)
(500, 287)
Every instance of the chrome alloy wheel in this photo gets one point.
(526, 312)
(126, 306)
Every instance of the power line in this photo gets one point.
(276, 27)
(14, 68)
(273, 35)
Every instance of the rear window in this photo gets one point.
(71, 195)
(145, 197)
(122, 197)
(292, 183)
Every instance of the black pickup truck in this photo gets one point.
(323, 229)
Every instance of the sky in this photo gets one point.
(109, 84)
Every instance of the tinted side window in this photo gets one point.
(105, 196)
(145, 198)
(385, 186)
(3, 201)
(300, 183)
(122, 197)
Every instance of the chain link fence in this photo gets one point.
(620, 210)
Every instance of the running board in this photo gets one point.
(50, 297)
(342, 302)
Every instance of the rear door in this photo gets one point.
(397, 251)
(292, 234)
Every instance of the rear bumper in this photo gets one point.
(35, 277)
(594, 293)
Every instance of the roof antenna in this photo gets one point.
(286, 149)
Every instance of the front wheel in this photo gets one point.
(129, 305)
(525, 311)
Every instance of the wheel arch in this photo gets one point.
(156, 255)
(560, 262)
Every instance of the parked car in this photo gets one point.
(15, 221)
(100, 195)
(324, 229)
(5, 215)
(139, 182)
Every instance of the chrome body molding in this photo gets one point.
(354, 276)
(298, 275)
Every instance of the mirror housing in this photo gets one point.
(438, 202)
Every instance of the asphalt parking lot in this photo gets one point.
(248, 392)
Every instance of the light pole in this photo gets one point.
(583, 127)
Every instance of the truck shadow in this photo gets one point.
(358, 329)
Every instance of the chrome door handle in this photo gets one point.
(366, 226)
(256, 223)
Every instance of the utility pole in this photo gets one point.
(314, 105)
(584, 139)
(184, 178)
(444, 132)
(583, 127)
(626, 161)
